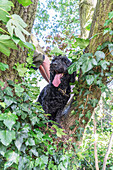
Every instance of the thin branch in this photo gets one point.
(95, 145)
(89, 164)
(108, 151)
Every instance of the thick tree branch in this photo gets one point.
(74, 117)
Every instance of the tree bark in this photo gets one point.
(75, 116)
(28, 15)
(86, 10)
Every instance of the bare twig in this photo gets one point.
(108, 151)
(95, 143)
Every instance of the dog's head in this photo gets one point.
(58, 70)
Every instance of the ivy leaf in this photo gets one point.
(82, 43)
(30, 142)
(56, 51)
(111, 32)
(8, 91)
(34, 151)
(21, 69)
(107, 22)
(2, 104)
(12, 157)
(106, 30)
(44, 159)
(110, 47)
(9, 100)
(72, 68)
(17, 24)
(90, 79)
(1, 94)
(59, 131)
(87, 66)
(110, 15)
(104, 64)
(2, 149)
(5, 44)
(4, 7)
(25, 2)
(18, 90)
(3, 66)
(9, 119)
(6, 137)
(19, 140)
(101, 47)
(99, 55)
(2, 85)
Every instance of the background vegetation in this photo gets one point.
(26, 141)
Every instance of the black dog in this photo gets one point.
(55, 95)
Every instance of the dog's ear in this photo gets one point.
(51, 76)
(72, 80)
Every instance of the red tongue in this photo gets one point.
(57, 80)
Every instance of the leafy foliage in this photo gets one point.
(26, 141)
(25, 2)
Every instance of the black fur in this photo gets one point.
(53, 99)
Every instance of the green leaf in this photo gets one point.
(3, 105)
(2, 84)
(110, 47)
(34, 151)
(16, 23)
(82, 43)
(21, 69)
(9, 100)
(5, 44)
(29, 45)
(4, 7)
(101, 47)
(72, 68)
(90, 79)
(18, 90)
(9, 119)
(11, 83)
(104, 64)
(111, 32)
(25, 2)
(8, 91)
(3, 66)
(44, 159)
(110, 15)
(56, 51)
(2, 149)
(30, 142)
(19, 139)
(6, 137)
(87, 65)
(106, 30)
(107, 22)
(99, 55)
(12, 157)
(1, 94)
(59, 131)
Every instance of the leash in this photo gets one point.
(63, 92)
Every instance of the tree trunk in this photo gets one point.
(77, 117)
(86, 10)
(28, 15)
